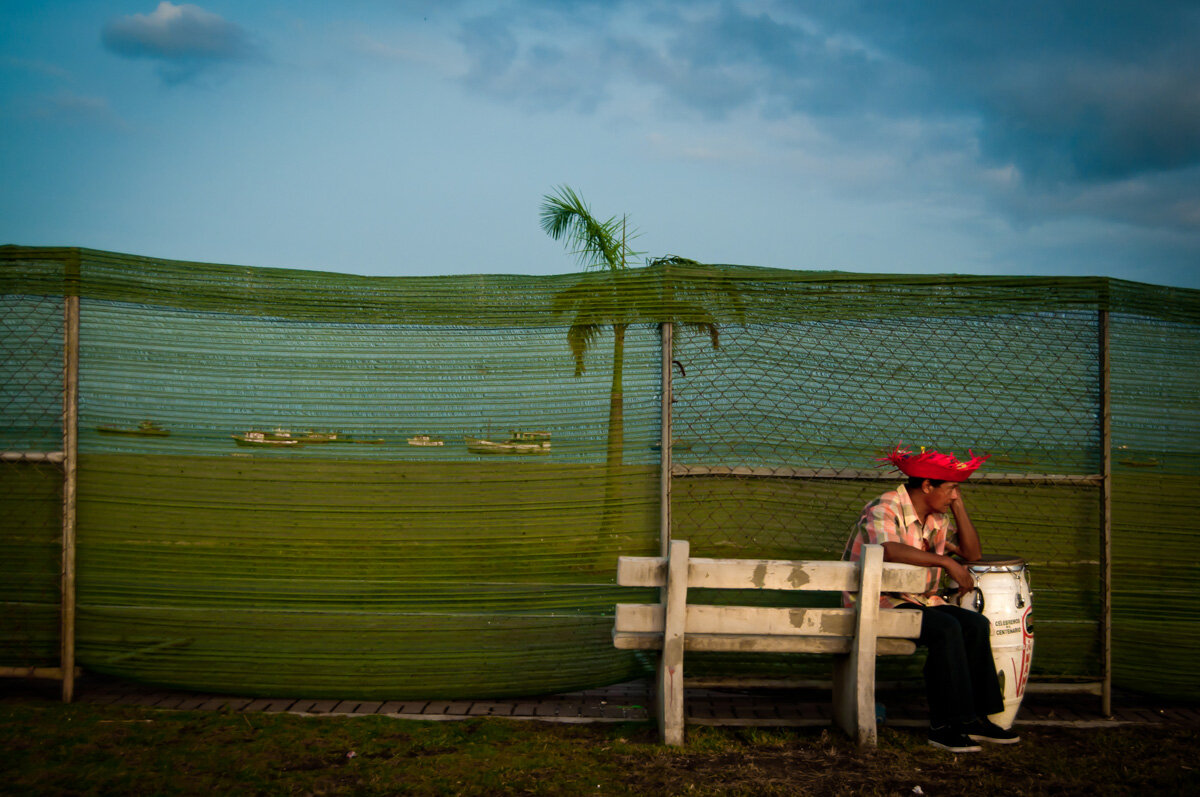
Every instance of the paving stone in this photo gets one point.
(568, 708)
(1182, 715)
(1040, 712)
(228, 703)
(148, 699)
(104, 699)
(635, 700)
(172, 702)
(268, 705)
(790, 710)
(192, 703)
(214, 704)
(1143, 715)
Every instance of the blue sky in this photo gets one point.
(397, 138)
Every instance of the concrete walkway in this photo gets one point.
(633, 701)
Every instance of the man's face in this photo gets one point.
(940, 497)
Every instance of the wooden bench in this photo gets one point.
(855, 636)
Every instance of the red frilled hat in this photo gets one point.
(932, 465)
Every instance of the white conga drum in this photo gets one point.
(1003, 595)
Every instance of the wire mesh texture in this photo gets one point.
(31, 478)
(779, 431)
(293, 482)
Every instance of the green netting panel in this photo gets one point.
(364, 562)
(776, 433)
(458, 573)
(1156, 442)
(31, 373)
(30, 538)
(680, 292)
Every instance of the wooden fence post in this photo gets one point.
(1105, 516)
(667, 330)
(70, 429)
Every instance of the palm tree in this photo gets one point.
(596, 301)
(670, 290)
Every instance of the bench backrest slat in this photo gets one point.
(750, 620)
(782, 574)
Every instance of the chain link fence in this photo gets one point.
(31, 479)
(378, 562)
(777, 433)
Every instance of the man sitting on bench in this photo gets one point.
(912, 524)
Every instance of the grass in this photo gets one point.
(50, 748)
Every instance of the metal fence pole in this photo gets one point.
(667, 330)
(1106, 514)
(70, 449)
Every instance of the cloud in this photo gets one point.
(1073, 91)
(184, 39)
(71, 109)
(539, 74)
(36, 67)
(410, 50)
(1088, 107)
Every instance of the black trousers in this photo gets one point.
(960, 674)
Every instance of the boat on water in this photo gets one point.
(282, 438)
(531, 436)
(318, 437)
(517, 443)
(143, 429)
(277, 439)
(425, 441)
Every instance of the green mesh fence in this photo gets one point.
(31, 478)
(303, 483)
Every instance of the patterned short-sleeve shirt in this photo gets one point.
(892, 518)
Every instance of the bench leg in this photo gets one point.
(854, 674)
(669, 700)
(854, 700)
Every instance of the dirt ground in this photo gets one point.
(48, 748)
(1048, 761)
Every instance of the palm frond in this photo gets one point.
(579, 338)
(565, 215)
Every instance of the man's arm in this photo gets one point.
(969, 547)
(907, 554)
